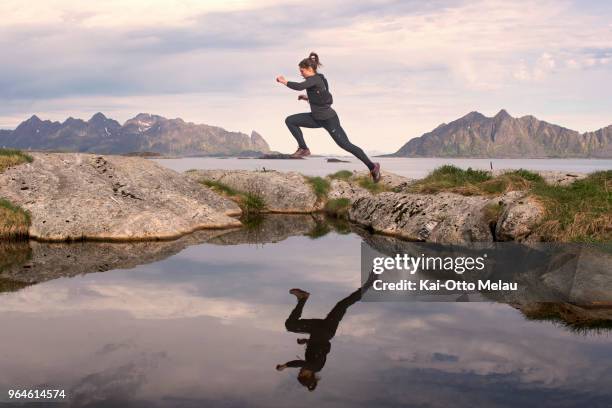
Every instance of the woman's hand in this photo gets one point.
(302, 98)
(281, 79)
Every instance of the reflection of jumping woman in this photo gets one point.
(321, 114)
(321, 332)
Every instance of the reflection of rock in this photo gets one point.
(12, 256)
(444, 217)
(272, 228)
(569, 282)
(574, 316)
(31, 262)
(281, 192)
(74, 196)
(48, 260)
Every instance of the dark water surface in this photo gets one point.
(203, 325)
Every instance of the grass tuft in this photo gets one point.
(451, 178)
(581, 211)
(219, 187)
(14, 221)
(251, 203)
(341, 175)
(319, 185)
(10, 157)
(370, 185)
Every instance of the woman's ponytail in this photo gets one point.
(311, 62)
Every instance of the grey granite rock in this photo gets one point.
(343, 189)
(518, 219)
(73, 196)
(281, 192)
(445, 217)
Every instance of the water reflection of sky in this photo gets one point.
(206, 328)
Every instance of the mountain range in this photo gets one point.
(143, 133)
(503, 136)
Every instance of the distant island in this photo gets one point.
(504, 136)
(145, 133)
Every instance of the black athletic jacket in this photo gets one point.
(319, 97)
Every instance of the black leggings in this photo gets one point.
(332, 125)
(321, 328)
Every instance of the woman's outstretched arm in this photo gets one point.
(298, 86)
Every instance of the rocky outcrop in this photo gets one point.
(81, 196)
(282, 192)
(78, 196)
(444, 218)
(518, 219)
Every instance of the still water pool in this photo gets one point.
(200, 322)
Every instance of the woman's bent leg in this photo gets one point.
(294, 122)
(333, 127)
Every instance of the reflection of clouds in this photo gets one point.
(142, 302)
(114, 383)
(205, 327)
(477, 339)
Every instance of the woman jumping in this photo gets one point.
(321, 114)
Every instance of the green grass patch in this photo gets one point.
(319, 185)
(580, 212)
(253, 203)
(250, 203)
(338, 207)
(370, 185)
(474, 182)
(219, 187)
(10, 157)
(14, 221)
(341, 175)
(451, 178)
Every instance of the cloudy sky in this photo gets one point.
(396, 68)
